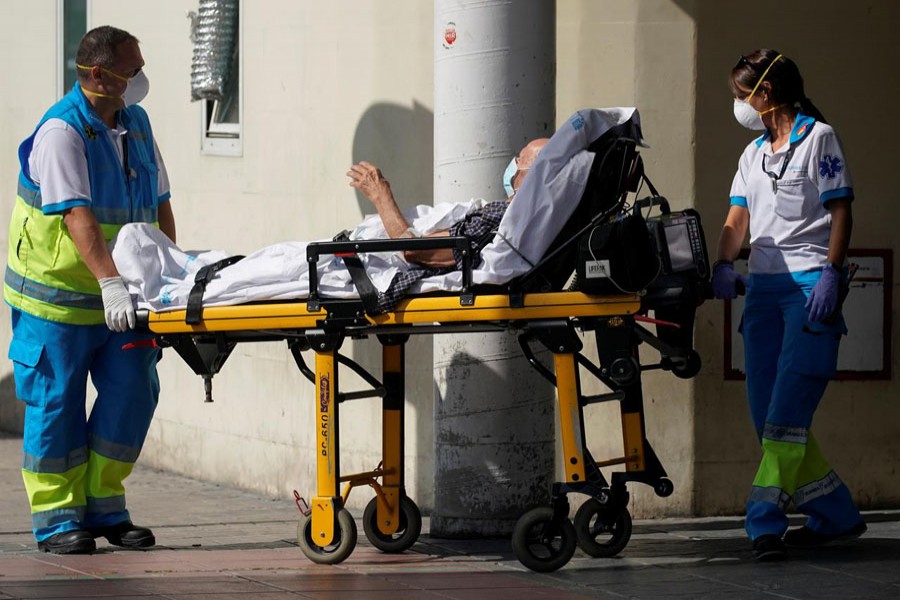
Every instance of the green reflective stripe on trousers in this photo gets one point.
(105, 476)
(113, 504)
(52, 295)
(118, 452)
(771, 495)
(48, 491)
(49, 518)
(61, 464)
(814, 465)
(782, 433)
(779, 465)
(816, 489)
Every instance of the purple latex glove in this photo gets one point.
(823, 298)
(726, 282)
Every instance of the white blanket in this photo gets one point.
(161, 275)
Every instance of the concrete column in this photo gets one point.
(494, 431)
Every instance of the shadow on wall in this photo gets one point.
(12, 410)
(494, 447)
(400, 141)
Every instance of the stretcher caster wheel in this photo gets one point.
(601, 532)
(341, 546)
(542, 544)
(664, 488)
(407, 532)
(690, 367)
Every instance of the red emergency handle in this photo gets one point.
(151, 343)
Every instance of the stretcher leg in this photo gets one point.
(328, 534)
(602, 525)
(392, 522)
(392, 438)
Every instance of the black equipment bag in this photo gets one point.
(618, 257)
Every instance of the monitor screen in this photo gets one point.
(678, 240)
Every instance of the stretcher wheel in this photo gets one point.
(341, 546)
(691, 366)
(540, 543)
(407, 532)
(602, 533)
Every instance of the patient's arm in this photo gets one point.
(367, 178)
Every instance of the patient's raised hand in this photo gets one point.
(367, 178)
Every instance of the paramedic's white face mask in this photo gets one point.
(137, 87)
(137, 90)
(747, 116)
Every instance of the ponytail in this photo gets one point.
(808, 108)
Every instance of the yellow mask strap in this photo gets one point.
(89, 92)
(774, 108)
(117, 76)
(761, 79)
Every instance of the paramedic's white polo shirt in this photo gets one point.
(789, 224)
(58, 156)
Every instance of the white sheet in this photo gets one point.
(161, 275)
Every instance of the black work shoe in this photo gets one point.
(804, 537)
(126, 535)
(769, 548)
(76, 541)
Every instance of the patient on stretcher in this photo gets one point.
(479, 224)
(548, 178)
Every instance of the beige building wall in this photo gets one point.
(329, 83)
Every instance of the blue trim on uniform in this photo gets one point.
(58, 207)
(798, 131)
(164, 198)
(844, 192)
(739, 201)
(802, 126)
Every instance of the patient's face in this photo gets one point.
(524, 160)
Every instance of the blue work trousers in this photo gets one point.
(73, 464)
(789, 361)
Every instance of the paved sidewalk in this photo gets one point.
(220, 543)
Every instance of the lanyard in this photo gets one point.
(775, 178)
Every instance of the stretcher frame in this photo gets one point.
(544, 538)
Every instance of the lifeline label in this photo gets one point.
(596, 269)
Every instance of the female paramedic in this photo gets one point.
(792, 190)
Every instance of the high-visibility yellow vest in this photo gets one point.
(45, 274)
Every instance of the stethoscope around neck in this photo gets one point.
(775, 178)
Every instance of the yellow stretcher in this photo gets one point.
(544, 538)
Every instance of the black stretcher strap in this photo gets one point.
(364, 286)
(204, 276)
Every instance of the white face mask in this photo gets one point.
(137, 90)
(747, 116)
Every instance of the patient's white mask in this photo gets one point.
(511, 169)
(747, 116)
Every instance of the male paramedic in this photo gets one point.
(479, 224)
(90, 167)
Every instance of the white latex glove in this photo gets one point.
(117, 304)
